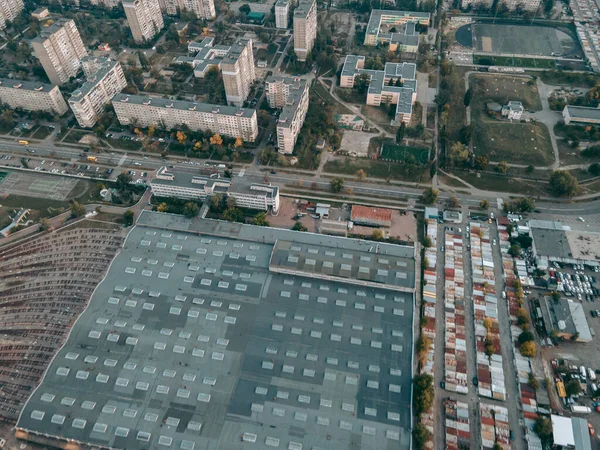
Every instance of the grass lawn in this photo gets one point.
(569, 155)
(536, 63)
(394, 152)
(503, 88)
(504, 184)
(458, 117)
(379, 169)
(328, 99)
(42, 132)
(124, 144)
(74, 136)
(515, 143)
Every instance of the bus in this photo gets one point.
(560, 387)
(92, 158)
(23, 142)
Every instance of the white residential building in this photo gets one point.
(290, 94)
(106, 3)
(144, 18)
(581, 114)
(169, 114)
(305, 28)
(60, 49)
(9, 10)
(32, 96)
(88, 102)
(513, 110)
(204, 9)
(282, 14)
(247, 194)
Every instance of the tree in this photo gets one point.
(422, 393)
(459, 153)
(543, 428)
(45, 224)
(563, 184)
(128, 218)
(514, 250)
(526, 336)
(530, 168)
(191, 210)
(484, 204)
(468, 97)
(162, 207)
(528, 349)
(267, 155)
(377, 235)
(216, 139)
(245, 9)
(123, 181)
(362, 82)
(181, 137)
(24, 163)
(299, 227)
(429, 196)
(594, 169)
(481, 162)
(522, 317)
(573, 388)
(503, 167)
(453, 202)
(77, 209)
(361, 174)
(238, 143)
(427, 242)
(233, 215)
(337, 184)
(421, 436)
(400, 133)
(261, 219)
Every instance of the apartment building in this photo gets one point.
(238, 72)
(526, 5)
(59, 48)
(169, 114)
(305, 28)
(204, 9)
(282, 13)
(88, 102)
(386, 26)
(144, 18)
(396, 85)
(32, 96)
(247, 194)
(106, 3)
(290, 94)
(9, 10)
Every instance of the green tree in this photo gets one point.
(421, 436)
(563, 184)
(427, 242)
(459, 153)
(299, 227)
(468, 97)
(24, 163)
(45, 224)
(361, 174)
(337, 184)
(526, 336)
(245, 9)
(484, 204)
(429, 196)
(77, 209)
(528, 349)
(123, 181)
(522, 317)
(400, 133)
(573, 387)
(543, 428)
(191, 210)
(503, 167)
(362, 82)
(377, 235)
(481, 162)
(128, 218)
(261, 219)
(233, 215)
(514, 250)
(530, 168)
(594, 169)
(453, 202)
(422, 393)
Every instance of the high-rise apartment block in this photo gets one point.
(282, 13)
(105, 79)
(32, 96)
(144, 18)
(237, 68)
(204, 9)
(9, 10)
(305, 28)
(290, 94)
(169, 114)
(60, 49)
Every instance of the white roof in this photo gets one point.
(562, 430)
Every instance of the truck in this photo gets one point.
(560, 387)
(23, 142)
(578, 409)
(92, 158)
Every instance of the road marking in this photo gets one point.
(122, 160)
(242, 172)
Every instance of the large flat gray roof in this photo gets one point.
(25, 85)
(192, 342)
(583, 112)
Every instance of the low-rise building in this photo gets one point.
(32, 96)
(452, 216)
(282, 13)
(247, 194)
(372, 217)
(396, 85)
(40, 13)
(169, 114)
(105, 79)
(581, 114)
(570, 433)
(395, 28)
(566, 318)
(513, 110)
(290, 94)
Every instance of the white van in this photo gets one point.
(582, 374)
(591, 374)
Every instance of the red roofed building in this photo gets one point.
(374, 217)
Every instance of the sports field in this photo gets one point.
(400, 153)
(37, 185)
(514, 61)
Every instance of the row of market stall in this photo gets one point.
(455, 352)
(490, 368)
(494, 427)
(458, 430)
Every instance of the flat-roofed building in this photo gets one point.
(292, 96)
(59, 48)
(144, 18)
(105, 79)
(169, 114)
(40, 13)
(384, 24)
(282, 14)
(204, 9)
(9, 10)
(581, 114)
(395, 85)
(32, 96)
(305, 28)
